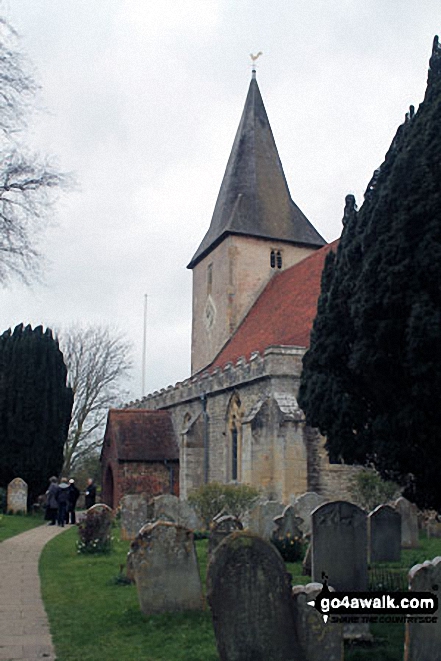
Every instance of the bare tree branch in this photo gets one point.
(27, 182)
(98, 360)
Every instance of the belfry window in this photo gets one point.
(276, 259)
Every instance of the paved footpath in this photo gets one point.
(24, 627)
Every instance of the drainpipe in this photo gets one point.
(206, 455)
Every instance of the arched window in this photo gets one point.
(273, 259)
(234, 426)
(279, 259)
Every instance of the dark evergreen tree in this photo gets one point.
(372, 377)
(35, 407)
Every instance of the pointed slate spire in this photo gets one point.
(254, 198)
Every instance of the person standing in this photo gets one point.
(90, 493)
(51, 501)
(63, 500)
(73, 497)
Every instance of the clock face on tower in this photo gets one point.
(209, 313)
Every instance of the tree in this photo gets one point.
(97, 361)
(27, 182)
(35, 407)
(372, 377)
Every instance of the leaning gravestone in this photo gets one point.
(409, 523)
(135, 512)
(423, 640)
(384, 532)
(304, 506)
(163, 562)
(17, 496)
(221, 528)
(288, 524)
(339, 546)
(260, 519)
(319, 641)
(249, 593)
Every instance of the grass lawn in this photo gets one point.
(13, 524)
(94, 617)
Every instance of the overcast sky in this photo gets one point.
(143, 99)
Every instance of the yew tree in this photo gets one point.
(372, 376)
(35, 407)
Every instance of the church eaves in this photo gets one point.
(254, 199)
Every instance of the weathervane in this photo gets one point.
(253, 60)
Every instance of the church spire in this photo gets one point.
(254, 198)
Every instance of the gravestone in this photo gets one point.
(307, 560)
(319, 641)
(249, 593)
(164, 565)
(423, 639)
(170, 508)
(384, 533)
(135, 512)
(304, 506)
(339, 545)
(17, 498)
(260, 519)
(166, 508)
(95, 527)
(409, 523)
(288, 524)
(222, 527)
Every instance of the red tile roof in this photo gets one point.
(142, 435)
(283, 314)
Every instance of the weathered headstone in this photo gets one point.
(384, 532)
(165, 568)
(304, 505)
(319, 641)
(339, 545)
(288, 524)
(17, 498)
(135, 512)
(423, 639)
(170, 508)
(96, 526)
(221, 528)
(249, 593)
(166, 508)
(188, 517)
(409, 523)
(260, 519)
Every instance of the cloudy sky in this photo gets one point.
(142, 99)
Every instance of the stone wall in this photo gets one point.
(276, 450)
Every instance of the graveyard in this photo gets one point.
(95, 612)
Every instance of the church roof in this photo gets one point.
(254, 198)
(141, 435)
(283, 314)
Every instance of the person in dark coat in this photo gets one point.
(62, 496)
(51, 501)
(74, 494)
(90, 493)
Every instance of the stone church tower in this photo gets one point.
(256, 231)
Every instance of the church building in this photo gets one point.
(256, 281)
